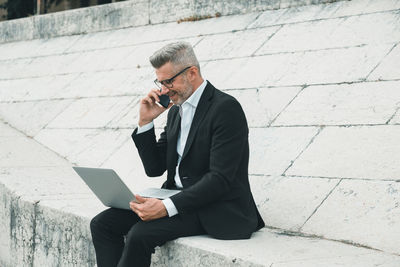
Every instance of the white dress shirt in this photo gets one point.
(187, 111)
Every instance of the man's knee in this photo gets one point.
(94, 225)
(140, 237)
(102, 220)
(99, 223)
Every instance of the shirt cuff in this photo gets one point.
(170, 206)
(145, 128)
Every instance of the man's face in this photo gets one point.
(181, 89)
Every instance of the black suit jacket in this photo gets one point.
(213, 168)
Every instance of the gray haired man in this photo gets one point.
(204, 149)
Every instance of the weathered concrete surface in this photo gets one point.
(273, 149)
(92, 112)
(17, 237)
(36, 186)
(262, 105)
(363, 152)
(320, 88)
(78, 21)
(370, 215)
(19, 151)
(31, 117)
(388, 69)
(129, 14)
(345, 104)
(311, 67)
(84, 146)
(272, 193)
(396, 118)
(269, 248)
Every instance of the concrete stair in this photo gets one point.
(320, 85)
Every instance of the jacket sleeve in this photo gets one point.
(152, 152)
(228, 156)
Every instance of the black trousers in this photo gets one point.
(110, 227)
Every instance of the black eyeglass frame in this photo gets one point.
(169, 82)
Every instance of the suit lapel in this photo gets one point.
(201, 111)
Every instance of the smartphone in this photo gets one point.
(164, 100)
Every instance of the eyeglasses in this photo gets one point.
(168, 82)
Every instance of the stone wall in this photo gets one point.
(320, 87)
(130, 14)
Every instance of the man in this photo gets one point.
(204, 148)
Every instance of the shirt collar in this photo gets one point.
(194, 99)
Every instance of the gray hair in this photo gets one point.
(180, 54)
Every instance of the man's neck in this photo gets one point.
(192, 99)
(197, 83)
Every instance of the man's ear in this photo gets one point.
(193, 73)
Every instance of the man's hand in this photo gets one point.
(149, 109)
(148, 208)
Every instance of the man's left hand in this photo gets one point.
(148, 208)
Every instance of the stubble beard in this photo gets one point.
(186, 94)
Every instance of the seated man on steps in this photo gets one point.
(204, 149)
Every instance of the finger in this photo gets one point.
(132, 206)
(148, 100)
(140, 199)
(154, 95)
(157, 91)
(133, 209)
(136, 206)
(145, 217)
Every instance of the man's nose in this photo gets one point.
(164, 90)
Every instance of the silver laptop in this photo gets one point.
(111, 190)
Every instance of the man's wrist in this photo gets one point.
(170, 207)
(144, 128)
(141, 123)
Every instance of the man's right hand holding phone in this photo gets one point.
(150, 109)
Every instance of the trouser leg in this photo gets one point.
(108, 230)
(143, 237)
